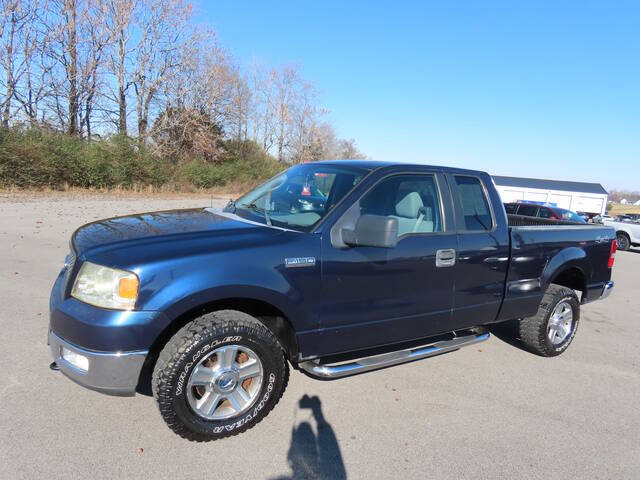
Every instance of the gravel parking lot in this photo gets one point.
(490, 411)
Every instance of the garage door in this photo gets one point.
(536, 197)
(562, 201)
(587, 204)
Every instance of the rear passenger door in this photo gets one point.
(483, 250)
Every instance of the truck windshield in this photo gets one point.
(299, 197)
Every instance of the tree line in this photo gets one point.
(147, 69)
(628, 195)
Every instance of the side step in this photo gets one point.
(392, 358)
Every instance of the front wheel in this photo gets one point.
(219, 376)
(552, 329)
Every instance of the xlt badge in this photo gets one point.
(299, 262)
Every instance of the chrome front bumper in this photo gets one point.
(113, 373)
(606, 290)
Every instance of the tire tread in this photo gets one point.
(533, 330)
(222, 322)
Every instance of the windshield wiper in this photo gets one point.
(267, 201)
(258, 209)
(231, 206)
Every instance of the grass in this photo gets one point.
(619, 209)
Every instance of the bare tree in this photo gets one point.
(285, 82)
(15, 14)
(36, 62)
(212, 86)
(164, 26)
(78, 65)
(240, 105)
(95, 40)
(63, 98)
(71, 62)
(306, 118)
(198, 101)
(347, 150)
(119, 17)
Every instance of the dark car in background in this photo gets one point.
(542, 211)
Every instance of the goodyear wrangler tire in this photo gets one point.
(551, 330)
(219, 376)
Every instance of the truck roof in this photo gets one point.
(375, 164)
(366, 164)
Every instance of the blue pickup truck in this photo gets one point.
(335, 268)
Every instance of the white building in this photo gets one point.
(576, 196)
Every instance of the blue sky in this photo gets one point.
(539, 89)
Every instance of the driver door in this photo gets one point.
(377, 296)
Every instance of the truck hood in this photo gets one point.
(151, 225)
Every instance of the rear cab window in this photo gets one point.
(474, 202)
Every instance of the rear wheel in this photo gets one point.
(551, 330)
(219, 375)
(623, 241)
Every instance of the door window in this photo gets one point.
(475, 206)
(412, 199)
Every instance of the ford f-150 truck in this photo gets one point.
(388, 263)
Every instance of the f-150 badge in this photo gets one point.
(299, 262)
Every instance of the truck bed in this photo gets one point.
(539, 247)
(525, 221)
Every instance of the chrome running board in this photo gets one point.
(375, 362)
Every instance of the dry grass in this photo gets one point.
(83, 194)
(231, 190)
(618, 209)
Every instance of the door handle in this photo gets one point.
(445, 257)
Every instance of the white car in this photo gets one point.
(627, 233)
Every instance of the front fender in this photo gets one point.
(274, 298)
(178, 285)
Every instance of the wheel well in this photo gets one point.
(622, 232)
(269, 315)
(572, 278)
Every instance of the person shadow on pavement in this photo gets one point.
(314, 455)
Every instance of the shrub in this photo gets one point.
(202, 175)
(39, 158)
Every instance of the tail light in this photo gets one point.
(612, 254)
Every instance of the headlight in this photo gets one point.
(106, 287)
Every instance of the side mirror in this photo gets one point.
(372, 231)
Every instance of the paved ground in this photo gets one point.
(491, 411)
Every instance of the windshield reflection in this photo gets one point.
(299, 197)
